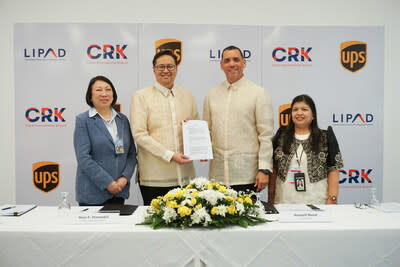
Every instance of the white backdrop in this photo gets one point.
(60, 81)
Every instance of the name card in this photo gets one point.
(305, 216)
(103, 218)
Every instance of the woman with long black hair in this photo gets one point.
(305, 155)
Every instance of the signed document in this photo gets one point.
(196, 140)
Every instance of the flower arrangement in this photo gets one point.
(204, 203)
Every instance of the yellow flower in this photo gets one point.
(155, 205)
(167, 197)
(179, 193)
(189, 186)
(248, 200)
(214, 210)
(229, 198)
(231, 209)
(222, 189)
(240, 200)
(172, 204)
(194, 201)
(198, 206)
(184, 211)
(209, 186)
(194, 194)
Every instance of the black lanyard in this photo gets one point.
(297, 157)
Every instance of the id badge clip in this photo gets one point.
(119, 147)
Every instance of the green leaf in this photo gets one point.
(243, 223)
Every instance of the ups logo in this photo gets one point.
(117, 107)
(353, 55)
(46, 175)
(170, 44)
(284, 115)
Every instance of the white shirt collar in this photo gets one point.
(164, 90)
(236, 84)
(93, 112)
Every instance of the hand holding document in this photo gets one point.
(196, 140)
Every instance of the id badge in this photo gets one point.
(292, 172)
(300, 182)
(119, 146)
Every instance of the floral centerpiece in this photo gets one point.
(204, 203)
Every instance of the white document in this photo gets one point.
(196, 140)
(389, 207)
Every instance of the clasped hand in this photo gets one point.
(117, 186)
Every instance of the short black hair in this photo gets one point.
(89, 89)
(164, 53)
(231, 47)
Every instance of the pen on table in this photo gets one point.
(85, 210)
(7, 208)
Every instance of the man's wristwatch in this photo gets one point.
(333, 198)
(265, 171)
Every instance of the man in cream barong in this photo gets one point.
(156, 115)
(240, 119)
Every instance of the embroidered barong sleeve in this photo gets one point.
(264, 126)
(139, 117)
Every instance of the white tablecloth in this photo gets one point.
(46, 237)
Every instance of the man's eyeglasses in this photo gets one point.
(169, 67)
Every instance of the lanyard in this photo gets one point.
(297, 157)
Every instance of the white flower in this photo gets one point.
(239, 208)
(212, 196)
(200, 182)
(231, 192)
(195, 218)
(187, 202)
(169, 214)
(221, 210)
(200, 215)
(260, 211)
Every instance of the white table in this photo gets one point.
(354, 238)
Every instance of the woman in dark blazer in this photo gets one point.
(104, 148)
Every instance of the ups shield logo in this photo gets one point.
(175, 46)
(353, 55)
(117, 107)
(284, 115)
(46, 175)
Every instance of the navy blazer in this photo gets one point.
(98, 164)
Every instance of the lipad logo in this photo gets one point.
(284, 115)
(353, 55)
(175, 46)
(46, 175)
(107, 54)
(353, 119)
(44, 54)
(45, 117)
(216, 54)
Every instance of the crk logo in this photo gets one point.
(351, 119)
(284, 115)
(44, 115)
(46, 175)
(353, 55)
(107, 51)
(292, 54)
(216, 54)
(44, 54)
(175, 46)
(355, 177)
